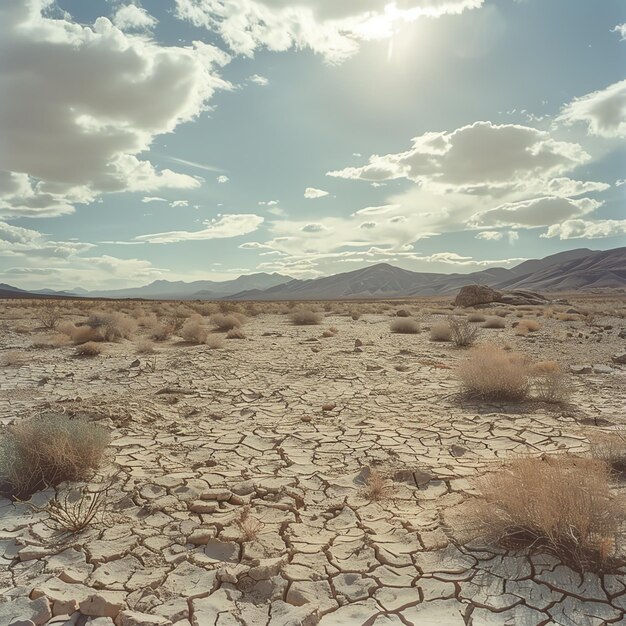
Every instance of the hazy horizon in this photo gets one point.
(203, 139)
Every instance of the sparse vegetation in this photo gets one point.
(193, 330)
(305, 317)
(44, 451)
(14, 358)
(144, 345)
(494, 321)
(440, 331)
(89, 349)
(562, 505)
(225, 323)
(475, 317)
(491, 373)
(404, 325)
(214, 342)
(463, 333)
(235, 333)
(376, 487)
(249, 526)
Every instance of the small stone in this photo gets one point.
(221, 495)
(200, 506)
(581, 369)
(328, 406)
(133, 618)
(620, 358)
(201, 536)
(599, 368)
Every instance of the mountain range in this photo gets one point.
(580, 269)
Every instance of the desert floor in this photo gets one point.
(286, 425)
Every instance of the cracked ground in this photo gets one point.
(283, 429)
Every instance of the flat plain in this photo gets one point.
(315, 473)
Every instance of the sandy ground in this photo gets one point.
(199, 436)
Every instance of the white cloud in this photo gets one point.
(95, 101)
(147, 199)
(179, 203)
(508, 154)
(533, 213)
(222, 227)
(257, 79)
(311, 193)
(490, 235)
(603, 111)
(222, 179)
(332, 28)
(582, 229)
(133, 17)
(621, 29)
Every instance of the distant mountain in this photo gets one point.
(566, 271)
(574, 269)
(196, 290)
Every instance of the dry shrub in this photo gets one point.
(193, 330)
(225, 323)
(463, 333)
(51, 341)
(562, 505)
(567, 317)
(226, 307)
(404, 325)
(14, 358)
(161, 332)
(44, 451)
(531, 325)
(521, 331)
(402, 313)
(89, 349)
(475, 317)
(80, 334)
(215, 342)
(248, 525)
(494, 321)
(376, 487)
(235, 333)
(355, 315)
(493, 374)
(551, 386)
(49, 315)
(144, 345)
(611, 449)
(147, 320)
(305, 317)
(440, 331)
(112, 326)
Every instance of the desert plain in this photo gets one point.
(287, 473)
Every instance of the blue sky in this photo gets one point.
(190, 139)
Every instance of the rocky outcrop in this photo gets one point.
(473, 295)
(479, 295)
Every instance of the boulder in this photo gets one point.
(471, 295)
(522, 297)
(620, 358)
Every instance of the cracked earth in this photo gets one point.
(286, 427)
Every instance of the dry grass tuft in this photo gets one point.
(494, 321)
(440, 331)
(491, 373)
(249, 526)
(14, 358)
(530, 325)
(225, 323)
(112, 326)
(89, 349)
(562, 505)
(463, 333)
(193, 330)
(475, 317)
(214, 342)
(376, 487)
(404, 325)
(235, 333)
(611, 449)
(305, 317)
(44, 451)
(144, 345)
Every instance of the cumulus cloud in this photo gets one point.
(603, 111)
(80, 103)
(133, 17)
(257, 79)
(533, 213)
(331, 28)
(583, 229)
(621, 29)
(222, 227)
(16, 241)
(222, 179)
(179, 203)
(147, 199)
(482, 153)
(311, 193)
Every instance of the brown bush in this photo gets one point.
(562, 505)
(226, 322)
(611, 449)
(493, 374)
(161, 332)
(404, 325)
(402, 313)
(235, 333)
(214, 342)
(531, 325)
(47, 450)
(475, 317)
(305, 317)
(440, 331)
(112, 326)
(494, 321)
(463, 333)
(80, 334)
(14, 358)
(193, 330)
(144, 345)
(89, 349)
(49, 315)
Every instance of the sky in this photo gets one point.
(204, 139)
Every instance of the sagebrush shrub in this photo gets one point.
(440, 331)
(491, 373)
(405, 325)
(304, 317)
(193, 330)
(463, 333)
(494, 321)
(90, 348)
(44, 451)
(225, 323)
(561, 505)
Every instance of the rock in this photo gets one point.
(402, 313)
(599, 368)
(103, 604)
(622, 333)
(620, 358)
(581, 369)
(328, 406)
(201, 536)
(24, 611)
(358, 343)
(24, 622)
(522, 297)
(471, 295)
